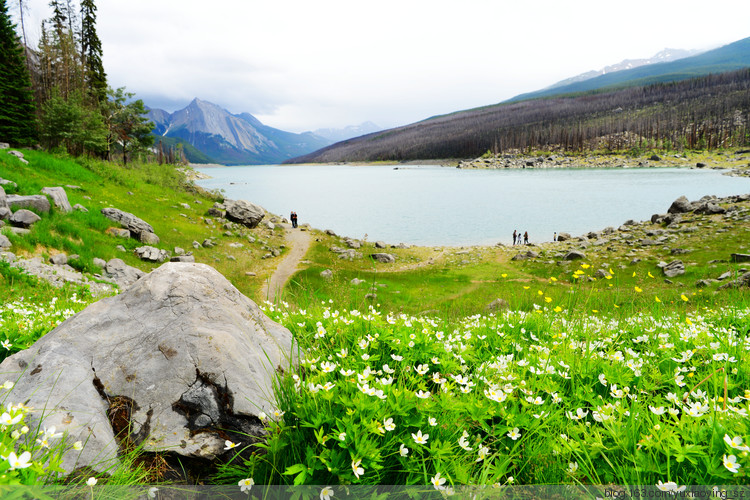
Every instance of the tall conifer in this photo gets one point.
(91, 52)
(17, 122)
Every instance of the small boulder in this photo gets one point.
(740, 257)
(4, 242)
(356, 282)
(674, 268)
(574, 255)
(709, 209)
(59, 198)
(24, 218)
(59, 259)
(182, 258)
(680, 206)
(384, 258)
(380, 244)
(327, 274)
(122, 274)
(152, 254)
(741, 282)
(563, 236)
(37, 202)
(80, 208)
(129, 221)
(149, 238)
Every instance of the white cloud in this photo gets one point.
(300, 65)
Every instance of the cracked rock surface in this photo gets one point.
(194, 356)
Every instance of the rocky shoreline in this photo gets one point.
(737, 162)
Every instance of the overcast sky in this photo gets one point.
(300, 65)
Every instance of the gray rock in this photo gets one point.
(59, 198)
(101, 263)
(327, 274)
(270, 225)
(179, 251)
(380, 244)
(740, 257)
(703, 283)
(674, 268)
(725, 276)
(151, 254)
(197, 245)
(37, 202)
(122, 274)
(525, 255)
(129, 221)
(4, 242)
(709, 209)
(8, 256)
(24, 218)
(741, 282)
(183, 258)
(329, 232)
(80, 208)
(244, 212)
(356, 281)
(680, 206)
(6, 182)
(118, 232)
(121, 248)
(218, 210)
(18, 155)
(5, 213)
(563, 236)
(3, 199)
(574, 255)
(59, 259)
(189, 358)
(149, 238)
(601, 274)
(352, 243)
(4, 145)
(384, 258)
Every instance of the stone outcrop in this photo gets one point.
(680, 206)
(123, 275)
(152, 254)
(179, 363)
(674, 268)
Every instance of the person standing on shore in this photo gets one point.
(514, 237)
(526, 238)
(554, 238)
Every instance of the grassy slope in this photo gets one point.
(153, 193)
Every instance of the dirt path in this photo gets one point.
(299, 241)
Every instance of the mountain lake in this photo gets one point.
(435, 206)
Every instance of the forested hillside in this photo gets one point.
(700, 113)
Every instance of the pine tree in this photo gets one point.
(91, 52)
(17, 123)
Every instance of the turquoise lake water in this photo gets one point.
(430, 205)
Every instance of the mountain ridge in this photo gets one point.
(229, 139)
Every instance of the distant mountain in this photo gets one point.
(228, 139)
(727, 58)
(342, 134)
(666, 55)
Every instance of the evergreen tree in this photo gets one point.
(17, 124)
(91, 52)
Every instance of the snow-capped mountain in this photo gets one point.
(666, 55)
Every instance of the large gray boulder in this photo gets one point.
(129, 221)
(4, 242)
(37, 202)
(181, 362)
(680, 206)
(5, 211)
(59, 198)
(574, 255)
(24, 218)
(246, 213)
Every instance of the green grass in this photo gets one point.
(565, 328)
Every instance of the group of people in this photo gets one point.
(293, 218)
(520, 239)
